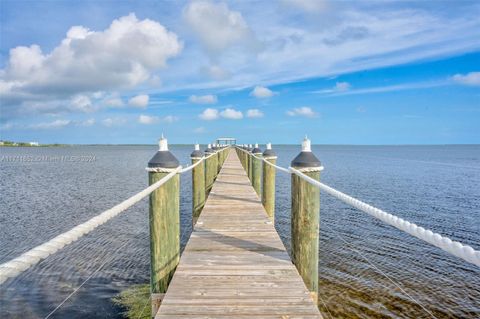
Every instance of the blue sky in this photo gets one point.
(262, 71)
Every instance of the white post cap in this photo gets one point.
(197, 147)
(306, 145)
(163, 144)
(256, 145)
(269, 146)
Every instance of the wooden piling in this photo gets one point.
(305, 218)
(219, 158)
(210, 169)
(164, 217)
(198, 184)
(257, 170)
(268, 182)
(250, 162)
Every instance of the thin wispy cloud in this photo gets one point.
(203, 99)
(386, 88)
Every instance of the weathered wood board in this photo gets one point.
(235, 265)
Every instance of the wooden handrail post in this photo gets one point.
(257, 170)
(268, 182)
(164, 214)
(198, 184)
(210, 169)
(219, 158)
(250, 163)
(306, 218)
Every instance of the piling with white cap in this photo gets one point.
(164, 213)
(257, 170)
(268, 182)
(305, 217)
(211, 168)
(198, 183)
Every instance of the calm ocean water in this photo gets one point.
(367, 269)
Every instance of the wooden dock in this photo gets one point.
(235, 265)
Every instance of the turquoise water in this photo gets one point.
(367, 269)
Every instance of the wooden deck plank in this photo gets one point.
(235, 265)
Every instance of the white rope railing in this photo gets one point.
(285, 170)
(21, 263)
(17, 265)
(455, 248)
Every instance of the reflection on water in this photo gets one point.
(367, 269)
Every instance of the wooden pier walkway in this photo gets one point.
(235, 265)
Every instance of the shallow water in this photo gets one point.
(367, 269)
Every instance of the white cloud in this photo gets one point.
(82, 103)
(120, 57)
(261, 92)
(342, 86)
(169, 119)
(387, 88)
(145, 119)
(302, 111)
(51, 125)
(472, 78)
(199, 130)
(339, 87)
(218, 28)
(231, 114)
(88, 122)
(215, 72)
(203, 99)
(140, 101)
(254, 113)
(113, 121)
(114, 102)
(209, 114)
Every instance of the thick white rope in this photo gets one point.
(17, 265)
(455, 248)
(285, 170)
(190, 167)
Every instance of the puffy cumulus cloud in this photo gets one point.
(88, 122)
(231, 114)
(472, 78)
(304, 111)
(114, 102)
(203, 99)
(147, 119)
(122, 56)
(140, 101)
(209, 114)
(219, 28)
(261, 92)
(254, 113)
(82, 103)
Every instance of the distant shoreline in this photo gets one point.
(181, 144)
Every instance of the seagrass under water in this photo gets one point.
(434, 186)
